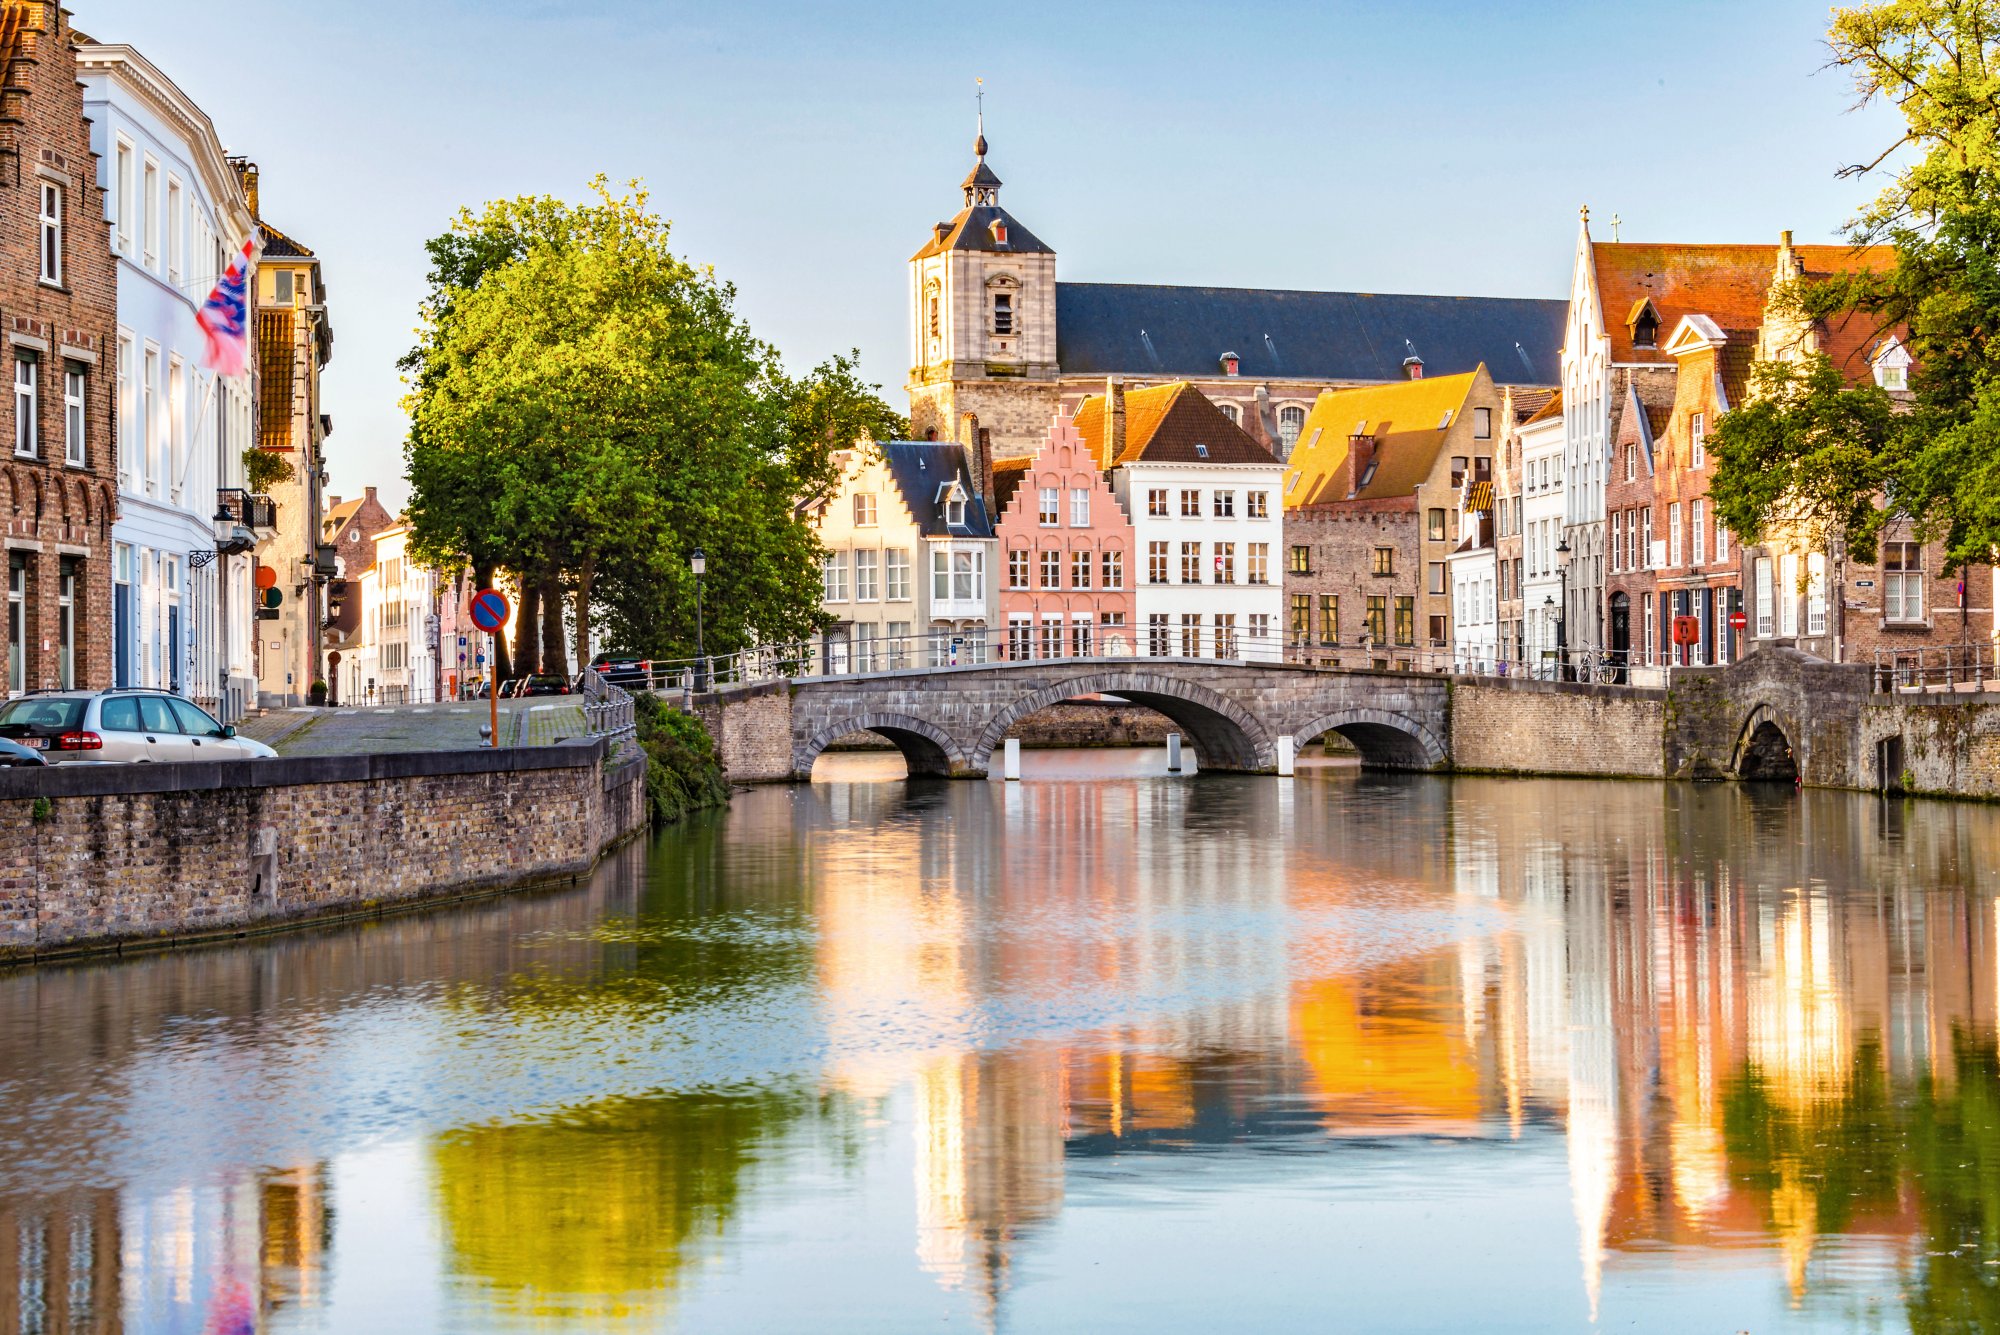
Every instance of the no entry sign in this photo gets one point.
(490, 610)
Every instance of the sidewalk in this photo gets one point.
(446, 727)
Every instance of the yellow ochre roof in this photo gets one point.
(1408, 420)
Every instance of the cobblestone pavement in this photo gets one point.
(447, 727)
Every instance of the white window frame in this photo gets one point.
(75, 417)
(833, 577)
(123, 186)
(1788, 594)
(1048, 509)
(176, 425)
(1698, 530)
(49, 228)
(1816, 593)
(27, 406)
(1697, 440)
(867, 513)
(1674, 535)
(128, 458)
(149, 217)
(149, 417)
(176, 228)
(867, 576)
(1079, 507)
(896, 575)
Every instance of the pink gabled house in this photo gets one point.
(1067, 566)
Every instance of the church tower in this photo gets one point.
(983, 327)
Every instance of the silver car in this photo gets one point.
(121, 726)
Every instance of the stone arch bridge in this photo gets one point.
(951, 722)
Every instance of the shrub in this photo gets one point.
(683, 773)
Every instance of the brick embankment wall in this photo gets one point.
(752, 728)
(94, 858)
(1538, 728)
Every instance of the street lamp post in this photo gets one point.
(699, 564)
(1562, 613)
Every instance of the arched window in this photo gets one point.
(935, 302)
(1291, 421)
(1232, 412)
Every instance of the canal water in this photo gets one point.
(1106, 1050)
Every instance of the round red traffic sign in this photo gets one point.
(1739, 620)
(490, 610)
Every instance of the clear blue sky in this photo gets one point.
(803, 149)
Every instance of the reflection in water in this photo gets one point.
(1089, 1051)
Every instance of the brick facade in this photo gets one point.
(1331, 552)
(58, 513)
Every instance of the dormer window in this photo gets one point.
(1230, 363)
(999, 230)
(954, 512)
(1003, 313)
(1201, 451)
(1892, 366)
(1645, 324)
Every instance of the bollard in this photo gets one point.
(1287, 751)
(1011, 770)
(1173, 753)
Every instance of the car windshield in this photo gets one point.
(42, 715)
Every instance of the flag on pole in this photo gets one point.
(225, 317)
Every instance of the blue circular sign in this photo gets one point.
(489, 610)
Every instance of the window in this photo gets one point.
(899, 645)
(1631, 462)
(1257, 566)
(1156, 502)
(1434, 526)
(1114, 570)
(1329, 618)
(1052, 569)
(1437, 577)
(1225, 563)
(867, 584)
(1302, 560)
(1788, 594)
(1190, 635)
(1406, 620)
(17, 622)
(281, 286)
(896, 568)
(1190, 505)
(865, 510)
(1617, 539)
(73, 403)
(1385, 561)
(27, 436)
(936, 322)
(176, 229)
(1766, 605)
(1052, 635)
(1257, 504)
(1301, 617)
(149, 431)
(1458, 462)
(833, 577)
(1378, 619)
(1003, 313)
(1721, 541)
(149, 222)
(1225, 635)
(128, 458)
(123, 187)
(1190, 563)
(1482, 424)
(1674, 534)
(957, 574)
(1291, 421)
(1079, 570)
(1050, 513)
(1225, 505)
(1697, 440)
(1902, 581)
(1232, 412)
(1156, 563)
(52, 234)
(1081, 629)
(1646, 549)
(954, 509)
(176, 425)
(1816, 594)
(1159, 635)
(1017, 568)
(1891, 376)
(1079, 507)
(1020, 636)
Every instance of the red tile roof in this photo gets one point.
(1725, 283)
(1174, 424)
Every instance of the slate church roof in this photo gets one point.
(1140, 330)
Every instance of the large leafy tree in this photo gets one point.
(1938, 63)
(587, 408)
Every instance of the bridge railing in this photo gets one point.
(853, 654)
(1941, 669)
(607, 710)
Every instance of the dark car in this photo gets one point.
(624, 669)
(13, 753)
(543, 685)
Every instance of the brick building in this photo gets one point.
(1642, 407)
(1518, 408)
(349, 528)
(58, 306)
(1372, 499)
(1066, 553)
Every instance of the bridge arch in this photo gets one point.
(927, 749)
(1764, 751)
(1386, 740)
(1223, 734)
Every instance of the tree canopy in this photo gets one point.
(587, 408)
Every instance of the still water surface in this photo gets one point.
(1102, 1051)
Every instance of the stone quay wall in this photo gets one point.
(103, 857)
(1530, 727)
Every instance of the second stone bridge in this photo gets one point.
(951, 722)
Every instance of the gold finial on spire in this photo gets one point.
(979, 96)
(1584, 214)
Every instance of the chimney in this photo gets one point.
(246, 176)
(1360, 454)
(369, 492)
(975, 441)
(1267, 423)
(1114, 418)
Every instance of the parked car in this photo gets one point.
(511, 687)
(13, 753)
(544, 685)
(119, 726)
(628, 670)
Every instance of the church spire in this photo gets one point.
(982, 187)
